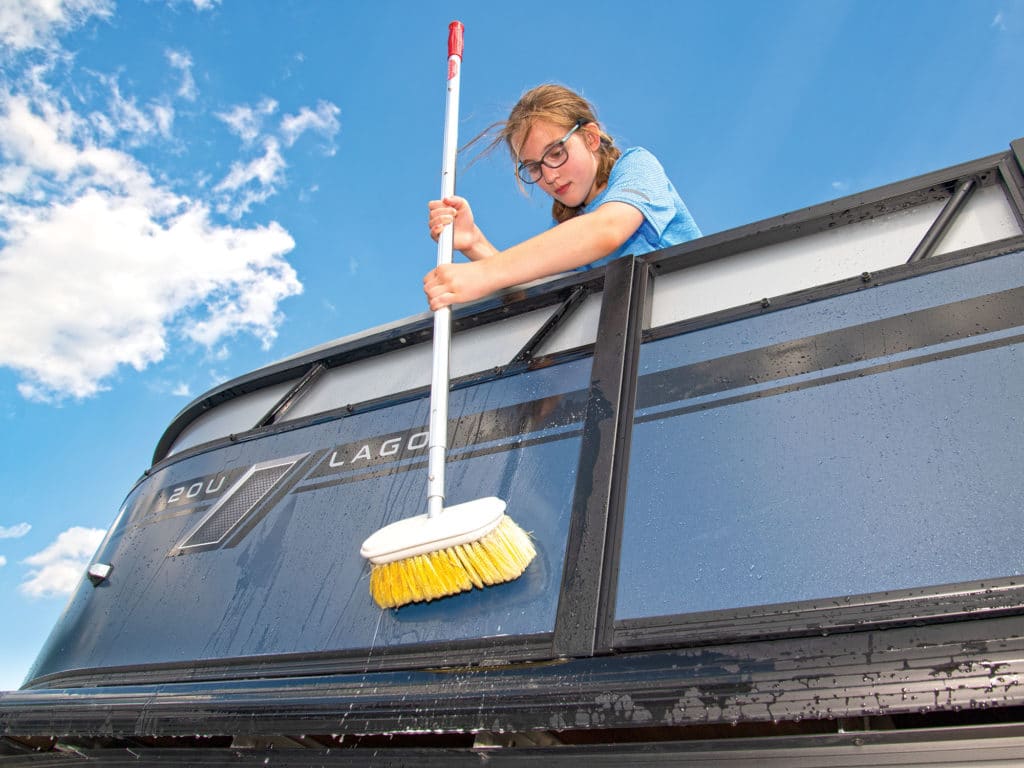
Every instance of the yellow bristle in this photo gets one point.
(502, 555)
(420, 578)
(462, 554)
(475, 557)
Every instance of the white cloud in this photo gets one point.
(108, 279)
(164, 116)
(26, 24)
(247, 122)
(252, 182)
(840, 186)
(57, 569)
(249, 183)
(169, 387)
(33, 140)
(103, 263)
(999, 22)
(14, 531)
(323, 120)
(3, 561)
(99, 263)
(264, 170)
(125, 116)
(183, 63)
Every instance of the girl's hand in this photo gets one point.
(457, 211)
(458, 283)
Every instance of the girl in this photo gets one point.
(606, 203)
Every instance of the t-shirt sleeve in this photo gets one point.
(639, 180)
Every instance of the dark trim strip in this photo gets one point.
(513, 422)
(943, 221)
(1013, 182)
(292, 396)
(397, 468)
(966, 601)
(847, 376)
(955, 667)
(604, 448)
(994, 743)
(483, 652)
(857, 343)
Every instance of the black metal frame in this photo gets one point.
(293, 395)
(942, 222)
(585, 622)
(567, 307)
(603, 459)
(978, 745)
(584, 626)
(943, 668)
(1011, 171)
(957, 602)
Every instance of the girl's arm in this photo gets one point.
(468, 238)
(569, 245)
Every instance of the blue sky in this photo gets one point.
(190, 189)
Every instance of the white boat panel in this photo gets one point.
(774, 270)
(239, 414)
(475, 350)
(986, 217)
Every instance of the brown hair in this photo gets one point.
(559, 106)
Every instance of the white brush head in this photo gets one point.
(461, 524)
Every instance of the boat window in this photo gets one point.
(288, 578)
(859, 444)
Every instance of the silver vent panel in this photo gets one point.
(238, 504)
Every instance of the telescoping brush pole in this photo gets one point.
(474, 544)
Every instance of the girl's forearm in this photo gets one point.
(481, 248)
(569, 245)
(565, 247)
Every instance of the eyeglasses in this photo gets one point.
(553, 157)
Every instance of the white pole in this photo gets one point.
(438, 445)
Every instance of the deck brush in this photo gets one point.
(471, 545)
(474, 544)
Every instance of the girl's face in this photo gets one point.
(572, 183)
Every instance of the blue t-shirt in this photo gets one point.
(638, 179)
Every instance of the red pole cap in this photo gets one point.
(455, 39)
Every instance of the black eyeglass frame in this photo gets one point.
(530, 173)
